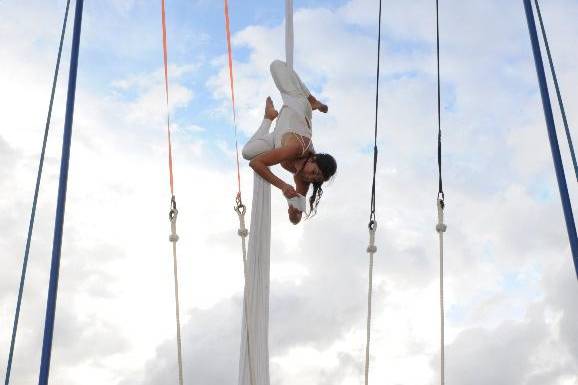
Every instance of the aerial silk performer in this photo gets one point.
(290, 145)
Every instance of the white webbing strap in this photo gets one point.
(241, 209)
(173, 238)
(371, 249)
(289, 44)
(441, 227)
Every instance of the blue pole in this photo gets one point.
(557, 87)
(60, 208)
(558, 166)
(34, 203)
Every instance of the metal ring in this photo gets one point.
(441, 199)
(240, 209)
(372, 224)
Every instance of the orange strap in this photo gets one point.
(167, 96)
(232, 84)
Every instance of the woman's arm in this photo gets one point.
(261, 164)
(300, 186)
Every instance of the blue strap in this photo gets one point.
(34, 202)
(558, 93)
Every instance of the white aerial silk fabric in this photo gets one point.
(289, 33)
(254, 355)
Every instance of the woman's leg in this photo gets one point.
(262, 141)
(287, 80)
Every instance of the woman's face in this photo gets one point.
(311, 172)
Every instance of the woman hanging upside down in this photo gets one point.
(290, 142)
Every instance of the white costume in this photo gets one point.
(295, 116)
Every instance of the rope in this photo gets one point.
(372, 249)
(372, 206)
(165, 61)
(173, 212)
(440, 187)
(243, 233)
(239, 208)
(35, 200)
(61, 201)
(232, 86)
(173, 238)
(558, 92)
(441, 227)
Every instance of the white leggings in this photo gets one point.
(261, 141)
(293, 117)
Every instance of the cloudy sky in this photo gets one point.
(511, 292)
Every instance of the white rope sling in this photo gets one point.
(173, 238)
(441, 228)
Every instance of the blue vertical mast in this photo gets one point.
(558, 166)
(34, 204)
(61, 203)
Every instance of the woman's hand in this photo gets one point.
(289, 191)
(294, 215)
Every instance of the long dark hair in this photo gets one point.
(328, 166)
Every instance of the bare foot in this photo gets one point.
(270, 111)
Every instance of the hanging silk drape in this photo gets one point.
(254, 358)
(254, 355)
(289, 33)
